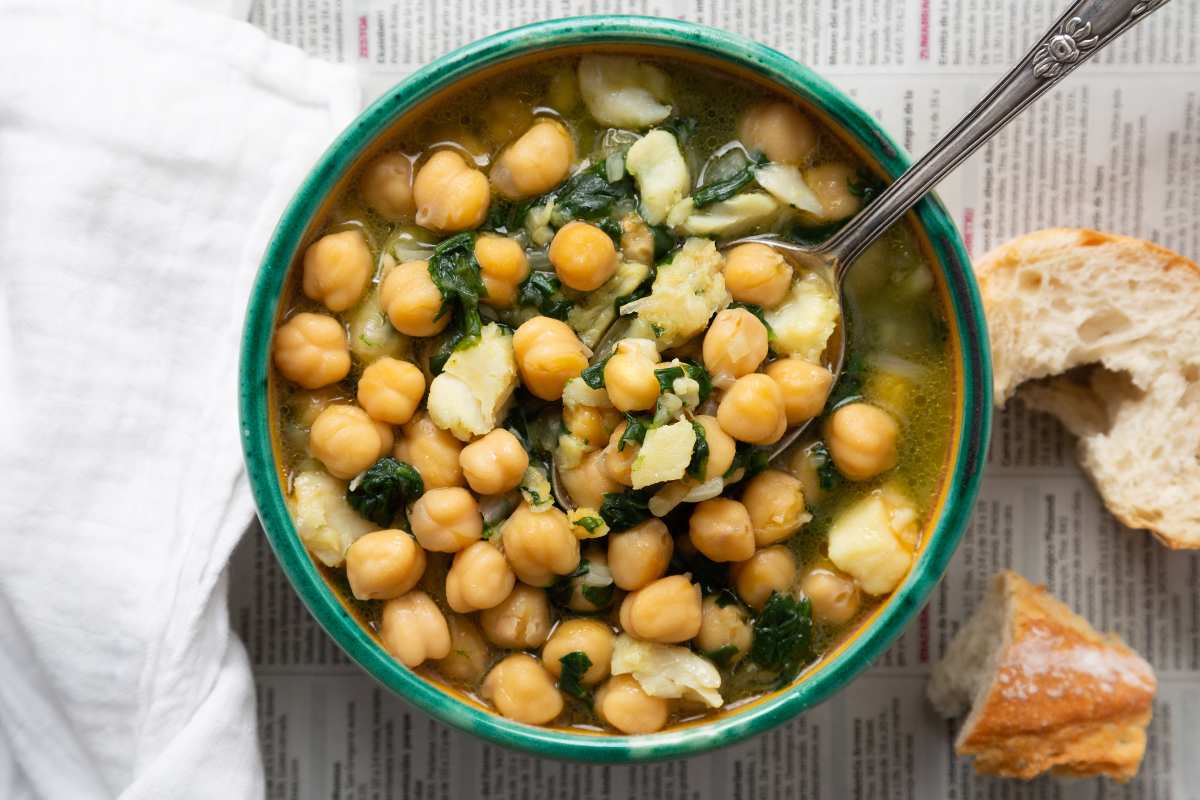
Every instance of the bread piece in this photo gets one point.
(1046, 691)
(1062, 298)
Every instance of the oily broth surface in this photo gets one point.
(894, 317)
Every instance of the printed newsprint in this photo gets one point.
(1116, 147)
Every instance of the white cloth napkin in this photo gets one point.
(146, 151)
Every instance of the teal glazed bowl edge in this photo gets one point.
(972, 436)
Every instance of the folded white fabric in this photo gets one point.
(146, 151)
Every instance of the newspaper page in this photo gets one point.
(1116, 147)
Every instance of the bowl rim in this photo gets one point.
(865, 646)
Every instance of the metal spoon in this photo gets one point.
(1082, 30)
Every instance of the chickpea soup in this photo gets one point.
(528, 397)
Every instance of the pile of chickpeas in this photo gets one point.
(483, 618)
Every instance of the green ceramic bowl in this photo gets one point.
(860, 131)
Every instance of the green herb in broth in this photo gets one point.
(897, 361)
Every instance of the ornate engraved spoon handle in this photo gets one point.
(1084, 28)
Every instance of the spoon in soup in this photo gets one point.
(1078, 34)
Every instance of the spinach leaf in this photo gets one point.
(623, 510)
(593, 376)
(574, 665)
(866, 186)
(589, 523)
(849, 386)
(758, 312)
(783, 636)
(589, 195)
(639, 291)
(543, 291)
(749, 458)
(682, 128)
(699, 461)
(700, 375)
(635, 430)
(827, 473)
(599, 596)
(716, 191)
(725, 597)
(563, 587)
(664, 241)
(455, 272)
(506, 217)
(712, 576)
(666, 377)
(383, 488)
(722, 656)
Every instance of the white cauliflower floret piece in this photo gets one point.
(685, 295)
(805, 319)
(571, 450)
(661, 173)
(325, 521)
(577, 393)
(664, 670)
(474, 386)
(730, 217)
(664, 454)
(623, 92)
(592, 315)
(787, 184)
(873, 540)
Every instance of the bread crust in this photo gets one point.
(1062, 697)
(1060, 298)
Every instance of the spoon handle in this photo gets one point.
(1083, 29)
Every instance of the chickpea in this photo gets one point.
(780, 131)
(758, 274)
(310, 350)
(597, 558)
(413, 629)
(479, 578)
(390, 390)
(468, 651)
(591, 637)
(722, 626)
(629, 378)
(504, 116)
(775, 501)
(666, 611)
(770, 570)
(831, 184)
(622, 703)
(720, 529)
(721, 447)
(639, 556)
(384, 564)
(520, 621)
(583, 256)
(618, 463)
(752, 410)
(412, 301)
(386, 186)
(521, 689)
(494, 463)
(637, 240)
(805, 387)
(834, 596)
(503, 266)
(589, 482)
(862, 440)
(451, 195)
(535, 163)
(431, 451)
(347, 441)
(446, 520)
(539, 544)
(735, 344)
(548, 355)
(589, 424)
(337, 268)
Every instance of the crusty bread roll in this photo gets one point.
(1046, 691)
(1063, 298)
